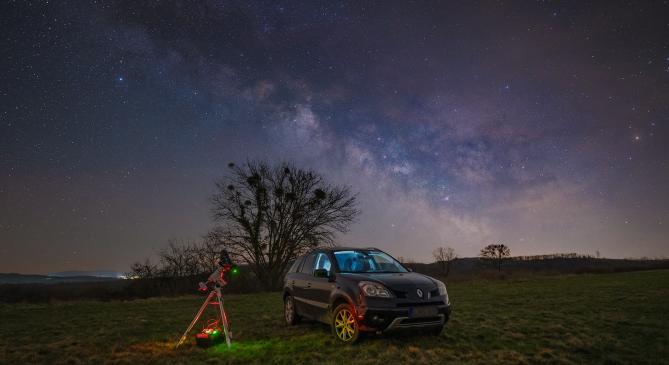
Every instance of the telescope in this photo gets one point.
(211, 332)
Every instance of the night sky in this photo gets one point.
(541, 125)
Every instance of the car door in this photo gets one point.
(301, 285)
(289, 280)
(321, 287)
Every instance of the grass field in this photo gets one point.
(604, 318)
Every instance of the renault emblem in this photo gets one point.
(419, 292)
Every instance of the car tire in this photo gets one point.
(345, 326)
(289, 311)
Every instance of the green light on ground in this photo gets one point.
(246, 350)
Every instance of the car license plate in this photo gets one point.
(417, 312)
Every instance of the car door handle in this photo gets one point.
(308, 284)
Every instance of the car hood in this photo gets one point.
(396, 281)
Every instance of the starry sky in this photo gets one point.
(542, 125)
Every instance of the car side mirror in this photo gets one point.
(321, 273)
(410, 269)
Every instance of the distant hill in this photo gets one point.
(98, 273)
(474, 267)
(68, 277)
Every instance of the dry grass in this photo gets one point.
(607, 318)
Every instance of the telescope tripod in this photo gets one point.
(216, 292)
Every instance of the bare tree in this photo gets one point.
(179, 259)
(444, 256)
(143, 270)
(193, 264)
(208, 252)
(268, 215)
(496, 252)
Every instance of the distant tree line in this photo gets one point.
(172, 274)
(178, 260)
(552, 256)
(444, 256)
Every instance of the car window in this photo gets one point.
(308, 265)
(323, 262)
(367, 261)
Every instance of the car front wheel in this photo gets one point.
(344, 324)
(290, 313)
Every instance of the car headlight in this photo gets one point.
(442, 290)
(371, 289)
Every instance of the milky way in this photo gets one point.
(540, 125)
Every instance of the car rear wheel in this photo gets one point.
(290, 313)
(344, 324)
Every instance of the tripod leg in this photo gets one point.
(224, 319)
(197, 317)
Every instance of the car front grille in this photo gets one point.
(401, 294)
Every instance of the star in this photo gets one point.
(586, 121)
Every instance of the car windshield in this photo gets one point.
(366, 261)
